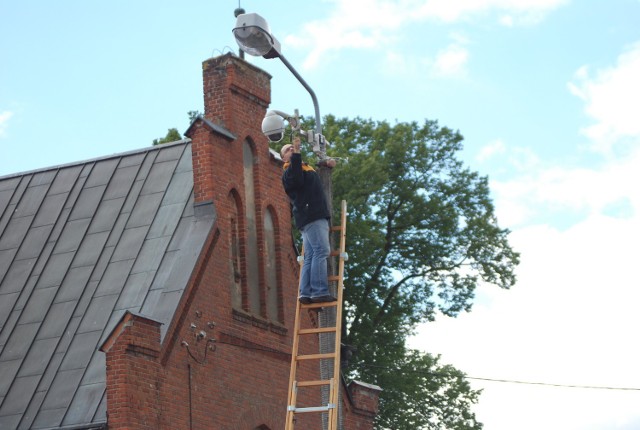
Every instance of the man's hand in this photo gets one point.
(296, 145)
(328, 162)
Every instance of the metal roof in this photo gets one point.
(80, 245)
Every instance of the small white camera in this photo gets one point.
(273, 126)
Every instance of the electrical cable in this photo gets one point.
(509, 381)
(548, 384)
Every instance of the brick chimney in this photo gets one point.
(364, 403)
(236, 97)
(132, 374)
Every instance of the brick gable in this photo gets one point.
(122, 305)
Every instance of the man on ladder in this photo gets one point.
(311, 213)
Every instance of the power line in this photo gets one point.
(510, 381)
(547, 384)
(506, 381)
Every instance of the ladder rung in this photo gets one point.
(318, 305)
(316, 356)
(317, 330)
(337, 253)
(334, 253)
(313, 383)
(333, 278)
(312, 409)
(336, 228)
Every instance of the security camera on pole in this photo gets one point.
(273, 128)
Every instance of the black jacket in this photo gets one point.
(304, 188)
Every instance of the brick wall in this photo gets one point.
(239, 381)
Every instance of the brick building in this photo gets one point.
(156, 289)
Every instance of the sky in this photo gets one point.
(545, 92)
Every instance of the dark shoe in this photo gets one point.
(323, 299)
(305, 300)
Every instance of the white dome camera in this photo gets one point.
(273, 126)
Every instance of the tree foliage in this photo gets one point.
(420, 393)
(172, 135)
(193, 115)
(422, 235)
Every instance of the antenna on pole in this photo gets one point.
(239, 11)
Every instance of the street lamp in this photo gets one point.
(254, 37)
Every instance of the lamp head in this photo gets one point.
(254, 37)
(273, 126)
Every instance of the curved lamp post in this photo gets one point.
(254, 37)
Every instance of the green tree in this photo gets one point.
(193, 114)
(172, 135)
(421, 393)
(422, 234)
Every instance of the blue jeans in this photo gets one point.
(315, 239)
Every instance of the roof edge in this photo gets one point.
(92, 160)
(366, 385)
(212, 126)
(102, 425)
(124, 322)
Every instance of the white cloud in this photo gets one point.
(4, 122)
(398, 64)
(377, 24)
(511, 11)
(359, 24)
(493, 148)
(571, 318)
(506, 20)
(540, 190)
(451, 61)
(612, 99)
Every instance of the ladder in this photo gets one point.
(297, 357)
